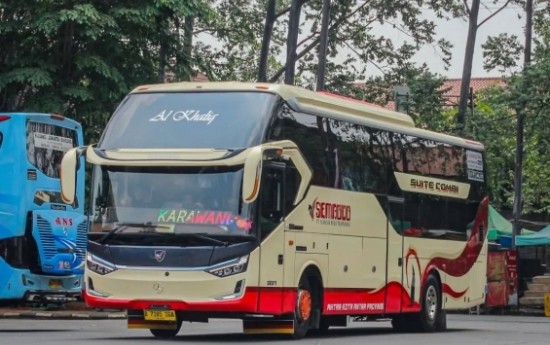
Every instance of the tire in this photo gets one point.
(166, 333)
(304, 309)
(442, 321)
(431, 314)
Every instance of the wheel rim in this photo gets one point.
(431, 302)
(304, 305)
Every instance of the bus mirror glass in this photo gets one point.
(69, 166)
(252, 174)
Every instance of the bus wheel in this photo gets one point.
(431, 314)
(303, 311)
(166, 333)
(442, 321)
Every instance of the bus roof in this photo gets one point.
(323, 102)
(44, 115)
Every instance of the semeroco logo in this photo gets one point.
(329, 213)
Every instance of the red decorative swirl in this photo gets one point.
(462, 264)
(449, 291)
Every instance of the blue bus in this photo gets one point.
(42, 239)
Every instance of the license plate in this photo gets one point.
(159, 315)
(54, 283)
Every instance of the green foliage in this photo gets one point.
(494, 124)
(79, 58)
(502, 53)
(236, 28)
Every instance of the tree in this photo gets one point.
(79, 58)
(495, 123)
(472, 11)
(237, 37)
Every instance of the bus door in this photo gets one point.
(279, 185)
(395, 259)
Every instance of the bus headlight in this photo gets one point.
(228, 269)
(98, 265)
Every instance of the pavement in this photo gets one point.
(73, 310)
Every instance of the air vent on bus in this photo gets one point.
(81, 240)
(46, 237)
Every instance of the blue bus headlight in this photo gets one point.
(98, 265)
(234, 267)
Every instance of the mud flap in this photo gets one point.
(256, 326)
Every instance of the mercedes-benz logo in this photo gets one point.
(158, 288)
(160, 255)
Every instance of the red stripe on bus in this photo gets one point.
(392, 298)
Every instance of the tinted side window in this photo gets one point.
(309, 132)
(434, 216)
(361, 157)
(427, 157)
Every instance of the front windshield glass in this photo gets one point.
(219, 120)
(174, 201)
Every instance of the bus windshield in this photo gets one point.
(189, 120)
(142, 201)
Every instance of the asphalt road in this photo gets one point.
(463, 329)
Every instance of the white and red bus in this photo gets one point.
(289, 209)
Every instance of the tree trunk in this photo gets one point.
(268, 29)
(292, 39)
(188, 42)
(519, 129)
(334, 26)
(467, 69)
(163, 50)
(323, 46)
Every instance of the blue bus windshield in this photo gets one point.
(189, 120)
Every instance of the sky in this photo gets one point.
(456, 32)
(510, 20)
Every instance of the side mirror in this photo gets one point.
(252, 174)
(69, 167)
(253, 170)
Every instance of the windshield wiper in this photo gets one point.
(123, 226)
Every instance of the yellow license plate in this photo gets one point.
(159, 315)
(54, 283)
